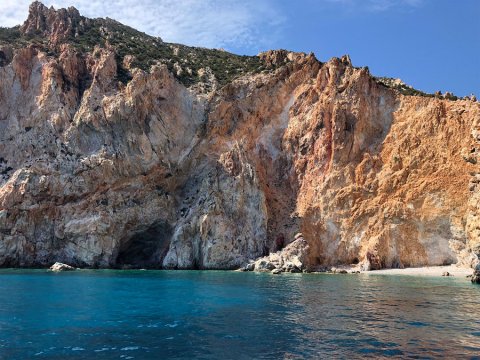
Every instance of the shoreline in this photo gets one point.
(435, 271)
(453, 270)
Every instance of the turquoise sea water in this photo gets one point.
(226, 315)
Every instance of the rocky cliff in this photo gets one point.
(118, 149)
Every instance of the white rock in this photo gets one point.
(58, 266)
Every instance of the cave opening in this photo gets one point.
(147, 248)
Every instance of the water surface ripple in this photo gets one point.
(226, 315)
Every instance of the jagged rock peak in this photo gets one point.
(58, 24)
(281, 57)
(346, 60)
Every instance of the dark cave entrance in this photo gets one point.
(146, 249)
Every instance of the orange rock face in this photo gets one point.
(97, 173)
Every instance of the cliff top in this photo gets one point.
(48, 29)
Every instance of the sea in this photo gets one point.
(135, 314)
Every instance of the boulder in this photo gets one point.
(58, 266)
(295, 270)
(249, 267)
(264, 265)
(292, 268)
(289, 259)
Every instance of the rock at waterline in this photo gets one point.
(476, 275)
(277, 271)
(475, 278)
(292, 268)
(334, 270)
(289, 259)
(58, 266)
(250, 267)
(264, 265)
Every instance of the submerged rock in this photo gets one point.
(58, 266)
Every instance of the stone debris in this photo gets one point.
(290, 259)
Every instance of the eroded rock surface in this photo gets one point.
(293, 259)
(150, 173)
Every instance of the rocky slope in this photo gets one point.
(121, 152)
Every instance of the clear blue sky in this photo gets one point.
(430, 44)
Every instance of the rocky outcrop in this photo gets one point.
(57, 25)
(61, 267)
(293, 259)
(147, 172)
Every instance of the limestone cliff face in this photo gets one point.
(151, 173)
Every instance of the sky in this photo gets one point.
(429, 44)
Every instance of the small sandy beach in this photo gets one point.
(425, 271)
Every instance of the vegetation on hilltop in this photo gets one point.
(184, 61)
(401, 87)
(407, 90)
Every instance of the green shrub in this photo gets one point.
(401, 88)
(147, 50)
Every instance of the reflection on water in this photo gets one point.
(227, 315)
